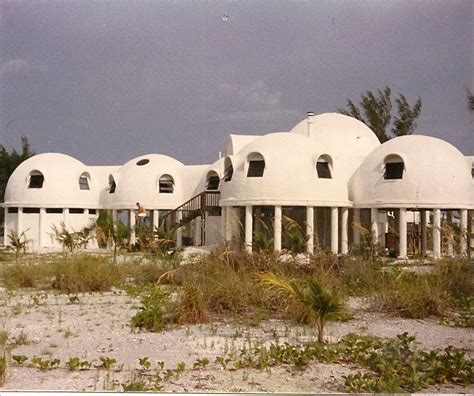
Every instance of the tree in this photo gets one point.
(375, 110)
(321, 302)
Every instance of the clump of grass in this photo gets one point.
(86, 274)
(20, 275)
(191, 306)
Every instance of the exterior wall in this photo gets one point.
(213, 230)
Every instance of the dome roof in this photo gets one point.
(60, 185)
(434, 175)
(290, 176)
(216, 170)
(345, 138)
(138, 180)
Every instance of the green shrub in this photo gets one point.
(20, 275)
(157, 310)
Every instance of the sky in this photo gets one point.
(108, 81)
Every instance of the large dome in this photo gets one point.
(154, 180)
(431, 174)
(52, 180)
(289, 177)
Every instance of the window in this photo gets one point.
(84, 181)
(212, 181)
(36, 180)
(256, 165)
(92, 211)
(229, 170)
(394, 168)
(54, 210)
(323, 167)
(31, 210)
(12, 210)
(166, 184)
(143, 162)
(76, 211)
(112, 185)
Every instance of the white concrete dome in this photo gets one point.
(210, 179)
(154, 180)
(347, 139)
(434, 174)
(52, 180)
(290, 175)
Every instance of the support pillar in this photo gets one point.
(423, 221)
(156, 219)
(464, 234)
(229, 212)
(402, 227)
(277, 229)
(437, 233)
(6, 242)
(334, 230)
(310, 229)
(344, 230)
(65, 218)
(179, 231)
(131, 224)
(374, 225)
(41, 228)
(355, 227)
(197, 231)
(248, 228)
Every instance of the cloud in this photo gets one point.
(14, 66)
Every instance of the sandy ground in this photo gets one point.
(98, 325)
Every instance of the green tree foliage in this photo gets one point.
(375, 110)
(10, 160)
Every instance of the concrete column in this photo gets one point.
(156, 218)
(450, 234)
(374, 225)
(334, 230)
(114, 215)
(356, 226)
(344, 230)
(6, 241)
(229, 216)
(437, 233)
(423, 221)
(179, 231)
(197, 231)
(131, 224)
(41, 228)
(402, 227)
(277, 229)
(248, 228)
(310, 229)
(464, 236)
(66, 218)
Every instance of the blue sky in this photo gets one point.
(108, 81)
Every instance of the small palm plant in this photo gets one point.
(19, 242)
(320, 302)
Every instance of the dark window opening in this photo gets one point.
(54, 210)
(393, 170)
(76, 210)
(166, 184)
(229, 171)
(112, 186)
(213, 183)
(12, 210)
(323, 169)
(84, 183)
(36, 181)
(143, 162)
(256, 168)
(92, 211)
(472, 172)
(31, 210)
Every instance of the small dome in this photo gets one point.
(414, 172)
(154, 180)
(281, 169)
(52, 180)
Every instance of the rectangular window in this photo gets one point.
(76, 210)
(54, 210)
(213, 183)
(12, 210)
(323, 169)
(92, 211)
(393, 170)
(36, 181)
(31, 210)
(166, 186)
(83, 183)
(256, 168)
